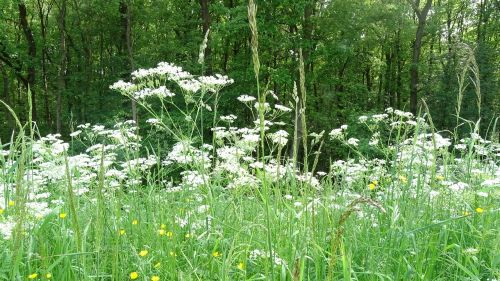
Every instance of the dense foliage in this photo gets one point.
(359, 55)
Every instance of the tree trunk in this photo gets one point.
(416, 51)
(388, 101)
(28, 34)
(43, 28)
(205, 17)
(6, 97)
(127, 32)
(62, 65)
(399, 87)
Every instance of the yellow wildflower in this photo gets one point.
(187, 235)
(135, 222)
(163, 226)
(155, 278)
(11, 204)
(371, 186)
(62, 215)
(161, 232)
(173, 254)
(479, 210)
(241, 266)
(170, 234)
(122, 232)
(439, 177)
(143, 253)
(216, 254)
(403, 179)
(466, 213)
(33, 275)
(157, 265)
(48, 275)
(134, 275)
(1, 211)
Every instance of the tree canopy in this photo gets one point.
(360, 56)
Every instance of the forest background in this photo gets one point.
(361, 56)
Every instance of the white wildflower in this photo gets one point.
(280, 137)
(246, 98)
(353, 141)
(282, 108)
(75, 133)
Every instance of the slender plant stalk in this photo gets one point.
(302, 77)
(99, 211)
(252, 19)
(337, 239)
(20, 192)
(71, 202)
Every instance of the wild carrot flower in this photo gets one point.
(134, 275)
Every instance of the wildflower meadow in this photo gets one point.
(238, 207)
(194, 192)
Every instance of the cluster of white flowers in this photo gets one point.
(457, 186)
(185, 154)
(215, 83)
(420, 150)
(353, 141)
(261, 254)
(160, 92)
(280, 137)
(164, 69)
(194, 179)
(228, 118)
(246, 98)
(282, 108)
(338, 133)
(244, 181)
(123, 86)
(266, 106)
(189, 85)
(6, 228)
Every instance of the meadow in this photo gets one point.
(407, 203)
